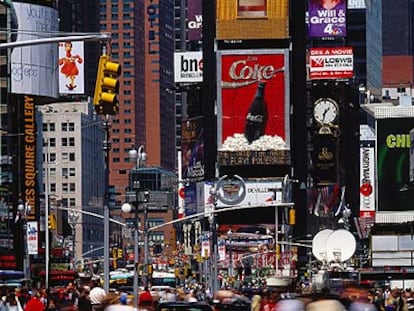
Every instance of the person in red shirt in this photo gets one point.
(34, 303)
(145, 298)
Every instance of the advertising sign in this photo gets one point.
(395, 192)
(367, 182)
(188, 67)
(33, 68)
(192, 148)
(325, 159)
(327, 19)
(71, 71)
(195, 20)
(32, 237)
(253, 100)
(331, 63)
(252, 19)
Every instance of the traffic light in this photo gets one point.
(51, 222)
(105, 98)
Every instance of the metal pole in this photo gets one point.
(230, 254)
(146, 251)
(106, 147)
(136, 254)
(47, 246)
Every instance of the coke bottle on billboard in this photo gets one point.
(257, 115)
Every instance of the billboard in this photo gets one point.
(252, 19)
(327, 19)
(194, 20)
(71, 69)
(192, 149)
(395, 191)
(33, 68)
(367, 182)
(331, 63)
(253, 99)
(188, 67)
(233, 191)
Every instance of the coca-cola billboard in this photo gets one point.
(253, 98)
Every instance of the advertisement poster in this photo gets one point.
(192, 147)
(32, 66)
(195, 20)
(71, 71)
(188, 67)
(367, 182)
(395, 191)
(253, 100)
(327, 18)
(325, 159)
(331, 63)
(32, 237)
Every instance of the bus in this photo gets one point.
(160, 278)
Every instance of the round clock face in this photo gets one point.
(325, 110)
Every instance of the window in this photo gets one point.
(72, 156)
(48, 127)
(72, 187)
(52, 187)
(52, 142)
(252, 8)
(71, 171)
(68, 127)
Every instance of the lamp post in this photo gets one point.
(23, 209)
(140, 157)
(230, 235)
(213, 241)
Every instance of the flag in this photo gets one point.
(311, 197)
(341, 205)
(318, 204)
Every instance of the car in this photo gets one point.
(184, 306)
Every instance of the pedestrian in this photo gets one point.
(34, 303)
(145, 299)
(97, 295)
(255, 305)
(84, 301)
(122, 304)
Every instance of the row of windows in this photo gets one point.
(66, 187)
(66, 156)
(65, 127)
(65, 142)
(66, 171)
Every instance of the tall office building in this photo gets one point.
(143, 43)
(398, 48)
(72, 161)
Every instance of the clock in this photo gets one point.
(325, 111)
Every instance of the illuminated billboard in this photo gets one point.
(252, 19)
(253, 114)
(395, 192)
(331, 63)
(327, 19)
(188, 67)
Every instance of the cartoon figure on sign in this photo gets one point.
(69, 66)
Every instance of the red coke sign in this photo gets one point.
(239, 73)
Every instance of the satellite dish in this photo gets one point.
(319, 244)
(340, 246)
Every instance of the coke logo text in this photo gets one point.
(239, 70)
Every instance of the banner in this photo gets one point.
(367, 182)
(327, 19)
(71, 69)
(32, 235)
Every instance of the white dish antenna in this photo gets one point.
(340, 246)
(319, 244)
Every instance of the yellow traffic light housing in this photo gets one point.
(51, 222)
(105, 98)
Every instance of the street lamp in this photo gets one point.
(24, 209)
(140, 157)
(230, 235)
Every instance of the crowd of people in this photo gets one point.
(92, 297)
